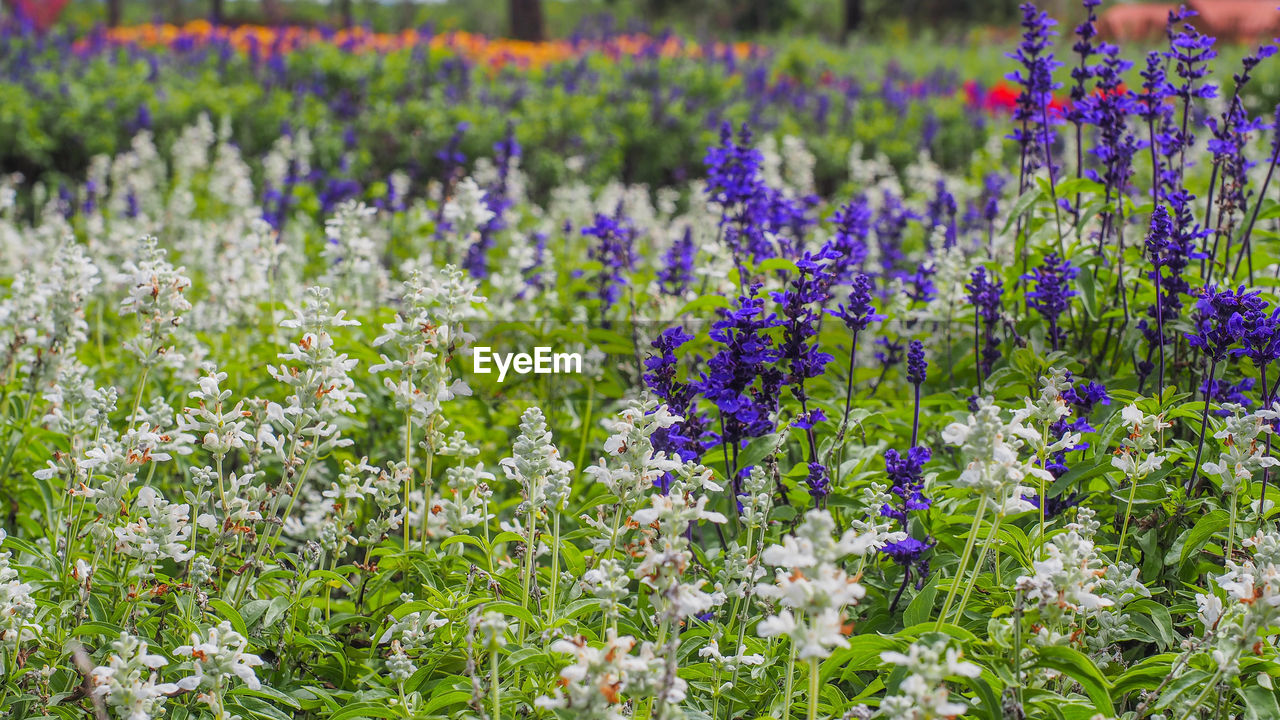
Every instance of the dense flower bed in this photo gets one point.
(911, 442)
(632, 107)
(495, 52)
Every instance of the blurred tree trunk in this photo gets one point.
(852, 18)
(272, 13)
(113, 13)
(215, 12)
(347, 20)
(526, 20)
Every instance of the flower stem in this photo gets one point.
(494, 689)
(1128, 509)
(789, 685)
(1204, 422)
(426, 482)
(408, 482)
(1195, 704)
(813, 689)
(977, 565)
(555, 563)
(1231, 528)
(531, 548)
(964, 562)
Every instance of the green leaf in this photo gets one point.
(277, 608)
(253, 707)
(991, 705)
(224, 610)
(253, 611)
(371, 710)
(100, 629)
(468, 539)
(507, 536)
(921, 607)
(269, 693)
(757, 450)
(1080, 668)
(1146, 675)
(1088, 293)
(1259, 703)
(1189, 680)
(777, 264)
(23, 546)
(1156, 619)
(446, 699)
(1020, 206)
(1272, 211)
(924, 628)
(1204, 529)
(511, 609)
(863, 653)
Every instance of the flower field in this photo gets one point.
(350, 375)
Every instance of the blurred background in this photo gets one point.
(832, 20)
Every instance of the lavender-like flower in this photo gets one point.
(452, 160)
(1084, 47)
(1190, 52)
(1034, 133)
(1108, 110)
(852, 228)
(985, 290)
(941, 211)
(906, 474)
(742, 379)
(1052, 293)
(1224, 322)
(1153, 109)
(819, 482)
(857, 314)
(1221, 392)
(734, 183)
(1231, 133)
(1157, 241)
(917, 366)
(890, 226)
(683, 437)
(799, 306)
(614, 250)
(733, 168)
(1246, 244)
(676, 274)
(506, 156)
(917, 369)
(992, 187)
(1170, 255)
